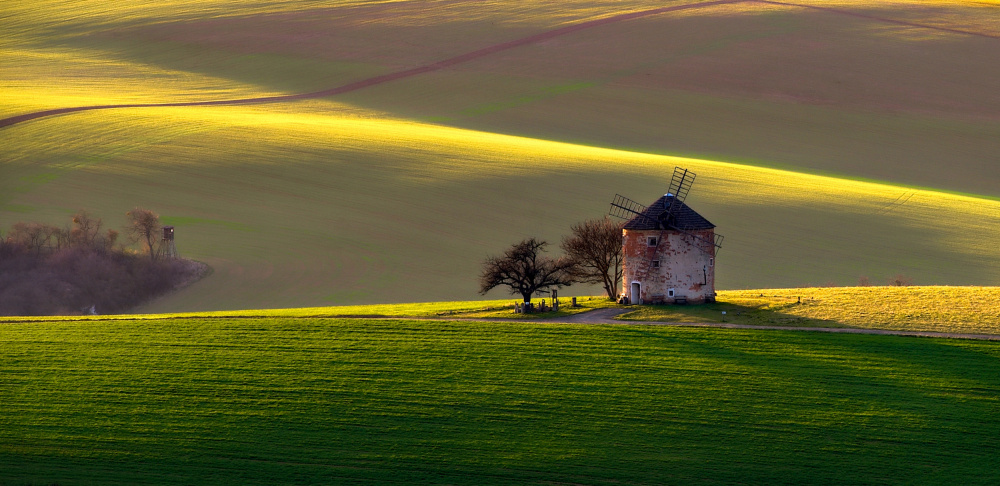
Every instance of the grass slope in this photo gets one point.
(309, 401)
(353, 201)
(961, 310)
(322, 203)
(846, 91)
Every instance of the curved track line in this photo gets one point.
(5, 122)
(469, 56)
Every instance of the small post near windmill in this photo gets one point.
(658, 265)
(167, 247)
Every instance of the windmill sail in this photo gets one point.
(625, 208)
(680, 185)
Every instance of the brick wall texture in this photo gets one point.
(685, 265)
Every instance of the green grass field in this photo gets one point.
(397, 192)
(321, 401)
(829, 146)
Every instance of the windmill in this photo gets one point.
(658, 265)
(665, 217)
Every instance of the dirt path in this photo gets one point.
(607, 316)
(486, 51)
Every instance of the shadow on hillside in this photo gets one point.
(757, 311)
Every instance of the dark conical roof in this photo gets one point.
(684, 217)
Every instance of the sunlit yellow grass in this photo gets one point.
(24, 19)
(927, 308)
(35, 80)
(930, 308)
(450, 154)
(422, 309)
(474, 309)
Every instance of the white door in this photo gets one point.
(635, 293)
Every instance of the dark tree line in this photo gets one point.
(83, 267)
(38, 238)
(593, 255)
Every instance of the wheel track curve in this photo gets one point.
(384, 78)
(469, 56)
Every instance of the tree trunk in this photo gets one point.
(150, 242)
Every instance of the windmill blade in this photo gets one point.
(625, 208)
(680, 183)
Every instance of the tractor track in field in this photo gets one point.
(469, 56)
(384, 78)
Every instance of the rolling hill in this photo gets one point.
(829, 144)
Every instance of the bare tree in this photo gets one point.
(8, 247)
(110, 238)
(86, 229)
(143, 226)
(48, 270)
(33, 236)
(524, 270)
(595, 250)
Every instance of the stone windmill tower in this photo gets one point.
(668, 248)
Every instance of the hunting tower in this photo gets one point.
(167, 247)
(668, 248)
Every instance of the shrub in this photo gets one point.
(48, 271)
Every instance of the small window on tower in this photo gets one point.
(711, 262)
(656, 263)
(651, 240)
